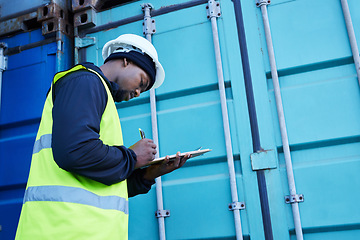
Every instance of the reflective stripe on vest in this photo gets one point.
(75, 195)
(43, 142)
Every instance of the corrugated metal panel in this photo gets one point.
(32, 62)
(319, 90)
(321, 103)
(321, 96)
(189, 116)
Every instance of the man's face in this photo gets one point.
(132, 81)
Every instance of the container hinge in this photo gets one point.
(162, 213)
(3, 59)
(259, 3)
(294, 198)
(84, 42)
(236, 206)
(213, 9)
(148, 23)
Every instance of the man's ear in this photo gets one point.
(125, 62)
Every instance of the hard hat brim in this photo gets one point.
(160, 75)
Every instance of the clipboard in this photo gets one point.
(195, 153)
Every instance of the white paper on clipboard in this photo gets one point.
(195, 153)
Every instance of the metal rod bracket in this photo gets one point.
(3, 59)
(147, 6)
(294, 198)
(148, 23)
(259, 3)
(213, 9)
(236, 206)
(162, 213)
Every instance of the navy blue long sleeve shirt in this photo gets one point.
(79, 102)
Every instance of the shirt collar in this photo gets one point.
(112, 86)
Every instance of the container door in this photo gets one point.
(320, 94)
(189, 117)
(32, 61)
(321, 98)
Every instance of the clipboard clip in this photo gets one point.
(198, 149)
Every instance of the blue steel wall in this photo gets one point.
(321, 103)
(25, 83)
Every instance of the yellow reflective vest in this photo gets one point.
(62, 205)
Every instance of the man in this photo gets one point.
(81, 174)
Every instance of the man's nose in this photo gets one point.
(137, 93)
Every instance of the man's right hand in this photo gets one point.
(145, 151)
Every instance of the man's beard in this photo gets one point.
(121, 95)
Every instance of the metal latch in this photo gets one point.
(294, 198)
(162, 213)
(148, 23)
(236, 206)
(263, 159)
(213, 9)
(259, 3)
(84, 42)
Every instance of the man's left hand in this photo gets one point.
(166, 166)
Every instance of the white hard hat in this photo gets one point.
(132, 40)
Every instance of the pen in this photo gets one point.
(142, 133)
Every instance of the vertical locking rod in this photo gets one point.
(280, 110)
(213, 13)
(352, 38)
(149, 29)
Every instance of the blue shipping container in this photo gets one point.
(320, 99)
(32, 62)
